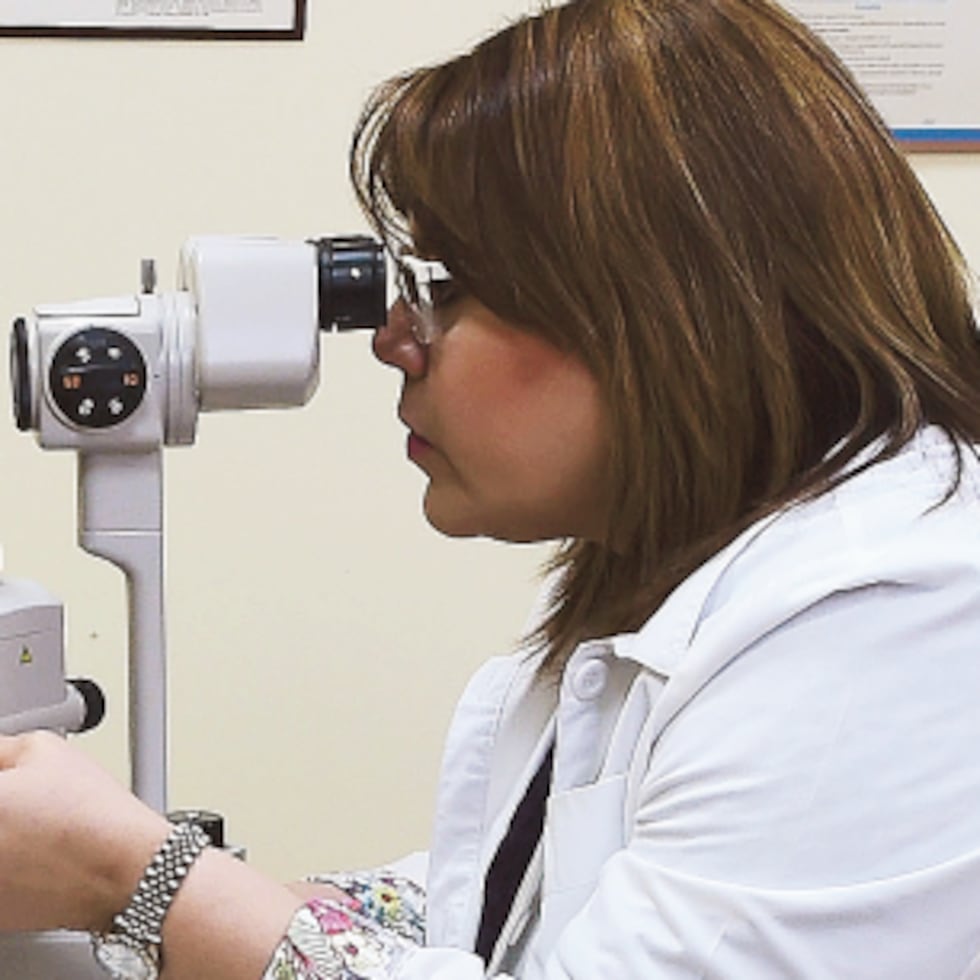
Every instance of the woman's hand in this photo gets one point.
(73, 842)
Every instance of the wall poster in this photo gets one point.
(918, 60)
(205, 19)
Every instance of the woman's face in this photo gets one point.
(510, 430)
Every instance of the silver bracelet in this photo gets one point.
(136, 933)
(143, 917)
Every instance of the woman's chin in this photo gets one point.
(457, 522)
(452, 521)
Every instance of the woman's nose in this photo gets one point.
(395, 344)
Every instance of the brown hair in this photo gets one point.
(695, 198)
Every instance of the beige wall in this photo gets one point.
(319, 632)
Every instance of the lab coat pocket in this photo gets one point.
(584, 826)
(583, 829)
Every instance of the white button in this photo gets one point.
(590, 680)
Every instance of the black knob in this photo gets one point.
(97, 378)
(213, 824)
(94, 702)
(20, 376)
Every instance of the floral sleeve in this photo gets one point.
(364, 937)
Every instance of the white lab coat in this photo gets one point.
(777, 777)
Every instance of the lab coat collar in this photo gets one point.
(661, 642)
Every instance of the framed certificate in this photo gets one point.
(917, 59)
(186, 19)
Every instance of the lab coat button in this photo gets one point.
(589, 680)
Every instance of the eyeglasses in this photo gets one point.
(418, 285)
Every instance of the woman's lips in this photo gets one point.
(417, 446)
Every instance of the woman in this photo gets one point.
(669, 296)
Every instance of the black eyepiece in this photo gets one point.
(352, 283)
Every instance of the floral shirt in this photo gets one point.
(363, 937)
